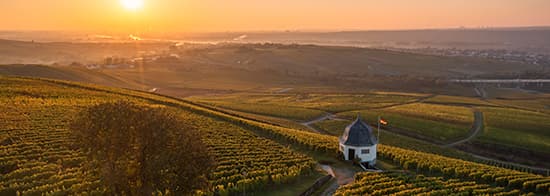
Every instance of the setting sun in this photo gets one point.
(132, 4)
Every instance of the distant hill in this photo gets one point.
(76, 74)
(528, 39)
(194, 68)
(346, 61)
(29, 52)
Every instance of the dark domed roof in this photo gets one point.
(358, 133)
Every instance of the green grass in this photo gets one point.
(513, 93)
(332, 127)
(77, 74)
(519, 128)
(438, 122)
(324, 102)
(336, 128)
(289, 112)
(283, 122)
(531, 104)
(446, 113)
(445, 99)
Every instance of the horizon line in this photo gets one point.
(535, 27)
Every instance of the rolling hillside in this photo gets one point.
(76, 74)
(506, 126)
(36, 156)
(23, 52)
(229, 67)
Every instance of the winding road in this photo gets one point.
(477, 127)
(346, 175)
(308, 124)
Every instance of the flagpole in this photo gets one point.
(378, 137)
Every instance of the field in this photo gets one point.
(281, 111)
(458, 100)
(70, 73)
(517, 128)
(541, 105)
(440, 123)
(439, 119)
(336, 128)
(319, 102)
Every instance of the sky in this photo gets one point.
(269, 15)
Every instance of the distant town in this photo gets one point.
(497, 54)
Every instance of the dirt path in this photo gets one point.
(343, 176)
(322, 118)
(474, 131)
(329, 115)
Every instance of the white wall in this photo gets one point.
(370, 157)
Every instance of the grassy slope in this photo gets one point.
(281, 111)
(520, 128)
(442, 118)
(65, 52)
(253, 66)
(325, 102)
(347, 60)
(458, 100)
(67, 73)
(336, 128)
(439, 122)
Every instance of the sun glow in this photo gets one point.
(132, 4)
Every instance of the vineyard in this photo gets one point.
(394, 183)
(36, 158)
(427, 163)
(35, 153)
(429, 174)
(247, 161)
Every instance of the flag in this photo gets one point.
(384, 122)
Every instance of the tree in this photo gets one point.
(139, 150)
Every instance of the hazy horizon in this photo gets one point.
(171, 16)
